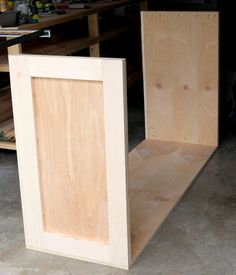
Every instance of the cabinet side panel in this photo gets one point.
(180, 59)
(69, 123)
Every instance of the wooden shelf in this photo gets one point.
(4, 67)
(63, 47)
(7, 130)
(70, 46)
(7, 145)
(159, 174)
(6, 120)
(74, 14)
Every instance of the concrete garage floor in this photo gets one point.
(198, 238)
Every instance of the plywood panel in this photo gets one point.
(159, 174)
(69, 123)
(180, 59)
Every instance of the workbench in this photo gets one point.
(69, 46)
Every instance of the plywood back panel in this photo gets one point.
(180, 61)
(71, 155)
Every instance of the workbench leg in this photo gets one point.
(144, 5)
(15, 49)
(93, 26)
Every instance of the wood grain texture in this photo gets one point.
(109, 74)
(116, 131)
(7, 145)
(71, 154)
(15, 49)
(180, 59)
(5, 104)
(159, 174)
(6, 120)
(93, 28)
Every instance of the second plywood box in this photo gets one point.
(89, 198)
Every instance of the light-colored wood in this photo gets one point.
(115, 110)
(15, 49)
(7, 145)
(141, 193)
(111, 73)
(159, 174)
(71, 157)
(180, 60)
(76, 70)
(93, 26)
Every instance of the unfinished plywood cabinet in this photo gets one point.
(83, 195)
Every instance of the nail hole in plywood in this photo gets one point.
(185, 87)
(159, 86)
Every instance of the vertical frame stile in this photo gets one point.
(26, 150)
(114, 77)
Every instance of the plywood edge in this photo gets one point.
(144, 75)
(37, 57)
(180, 12)
(162, 198)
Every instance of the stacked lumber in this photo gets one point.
(6, 116)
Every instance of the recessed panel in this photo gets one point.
(69, 122)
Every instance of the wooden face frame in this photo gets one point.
(112, 74)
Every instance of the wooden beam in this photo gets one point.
(15, 49)
(93, 25)
(143, 5)
(4, 67)
(7, 145)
